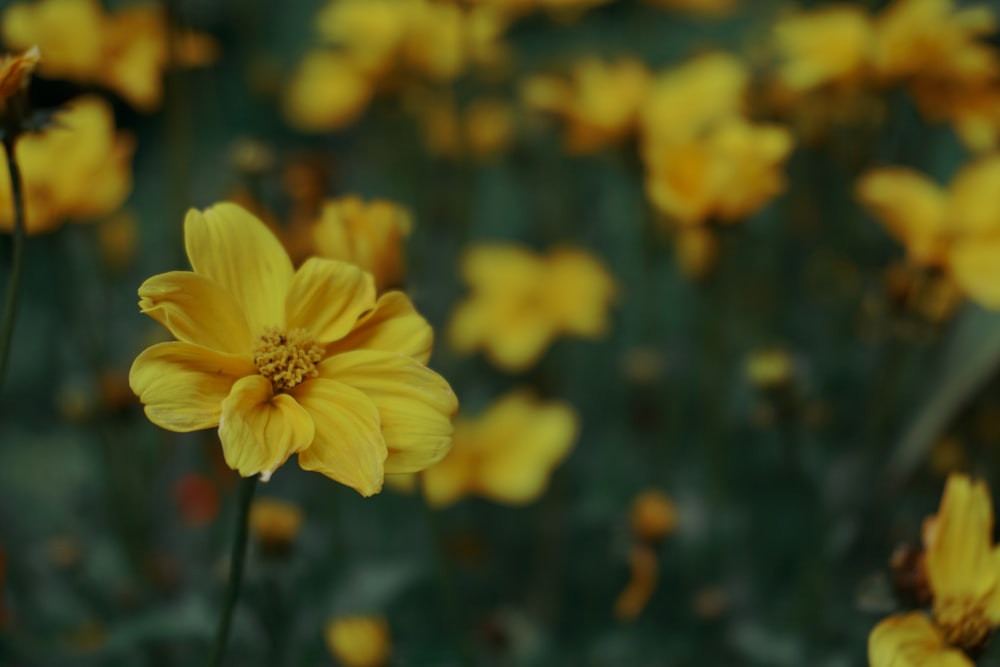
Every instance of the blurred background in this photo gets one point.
(712, 281)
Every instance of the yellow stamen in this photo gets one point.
(287, 359)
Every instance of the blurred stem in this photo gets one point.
(236, 558)
(17, 266)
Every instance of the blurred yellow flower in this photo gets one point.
(703, 7)
(359, 641)
(599, 102)
(725, 175)
(15, 73)
(367, 234)
(963, 569)
(79, 169)
(481, 131)
(521, 301)
(957, 229)
(327, 91)
(769, 368)
(126, 51)
(288, 361)
(274, 522)
(827, 46)
(506, 454)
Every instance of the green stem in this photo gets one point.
(247, 487)
(17, 267)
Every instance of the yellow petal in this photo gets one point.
(327, 297)
(579, 291)
(911, 640)
(415, 404)
(183, 385)
(973, 196)
(452, 478)
(911, 206)
(348, 447)
(975, 266)
(393, 326)
(231, 247)
(528, 440)
(195, 310)
(516, 342)
(259, 429)
(958, 558)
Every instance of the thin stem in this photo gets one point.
(17, 266)
(247, 487)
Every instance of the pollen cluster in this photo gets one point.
(286, 359)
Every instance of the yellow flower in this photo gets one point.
(15, 72)
(79, 169)
(963, 570)
(126, 51)
(520, 302)
(370, 32)
(599, 102)
(275, 523)
(288, 361)
(725, 175)
(359, 641)
(957, 229)
(481, 131)
(328, 91)
(369, 235)
(823, 47)
(689, 99)
(506, 454)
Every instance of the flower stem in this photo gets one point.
(247, 487)
(17, 266)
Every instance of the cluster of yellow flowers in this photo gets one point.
(127, 51)
(371, 43)
(958, 572)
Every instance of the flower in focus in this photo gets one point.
(79, 169)
(359, 641)
(275, 523)
(521, 301)
(506, 454)
(599, 102)
(956, 230)
(368, 234)
(127, 51)
(964, 575)
(828, 46)
(288, 361)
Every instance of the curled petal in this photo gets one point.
(259, 429)
(195, 310)
(348, 446)
(327, 297)
(415, 404)
(231, 247)
(183, 385)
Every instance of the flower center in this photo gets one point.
(286, 359)
(963, 621)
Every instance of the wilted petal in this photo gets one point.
(327, 297)
(259, 429)
(348, 446)
(415, 404)
(196, 310)
(183, 385)
(231, 247)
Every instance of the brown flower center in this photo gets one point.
(286, 359)
(963, 622)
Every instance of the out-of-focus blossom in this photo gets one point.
(521, 301)
(117, 236)
(127, 51)
(328, 91)
(699, 7)
(15, 73)
(506, 454)
(599, 102)
(275, 523)
(359, 641)
(79, 169)
(287, 361)
(645, 573)
(563, 9)
(696, 250)
(653, 516)
(770, 368)
(367, 234)
(197, 499)
(957, 229)
(824, 47)
(964, 577)
(483, 129)
(725, 175)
